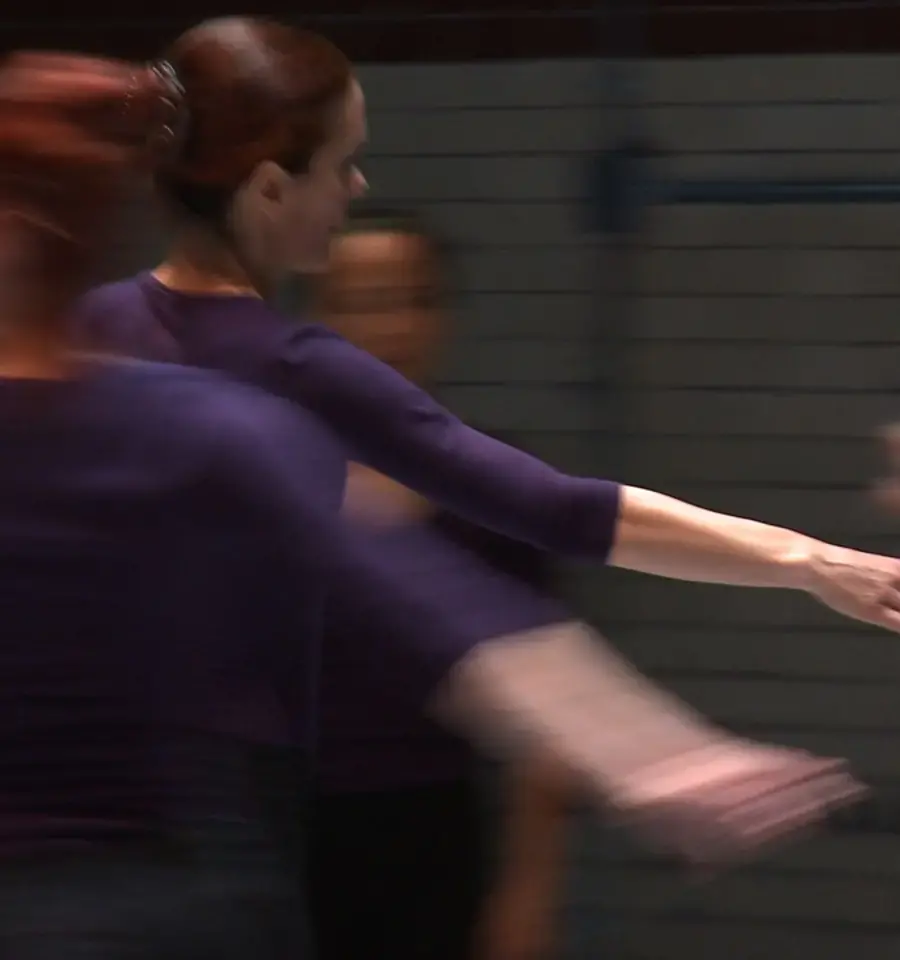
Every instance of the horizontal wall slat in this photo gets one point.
(790, 126)
(701, 412)
(813, 226)
(546, 269)
(800, 165)
(876, 857)
(661, 364)
(532, 313)
(486, 132)
(789, 461)
(648, 937)
(751, 895)
(779, 79)
(622, 602)
(841, 273)
(800, 366)
(792, 319)
(541, 83)
(515, 224)
(846, 654)
(526, 361)
(490, 179)
(737, 702)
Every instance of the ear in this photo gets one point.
(269, 183)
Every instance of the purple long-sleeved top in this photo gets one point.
(383, 419)
(167, 538)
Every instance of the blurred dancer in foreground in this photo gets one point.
(403, 841)
(153, 522)
(262, 183)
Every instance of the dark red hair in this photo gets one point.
(71, 130)
(255, 90)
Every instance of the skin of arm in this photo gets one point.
(398, 429)
(660, 535)
(519, 921)
(514, 675)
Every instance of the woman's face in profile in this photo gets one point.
(382, 293)
(289, 222)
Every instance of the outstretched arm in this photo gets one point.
(667, 537)
(400, 430)
(512, 672)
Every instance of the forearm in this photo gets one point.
(535, 815)
(660, 535)
(563, 691)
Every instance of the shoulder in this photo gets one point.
(314, 366)
(301, 342)
(205, 402)
(175, 406)
(117, 318)
(108, 296)
(333, 368)
(201, 424)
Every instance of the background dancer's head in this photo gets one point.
(268, 165)
(73, 133)
(387, 287)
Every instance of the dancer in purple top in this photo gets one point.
(404, 840)
(263, 180)
(166, 539)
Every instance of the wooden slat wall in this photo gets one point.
(762, 355)
(495, 155)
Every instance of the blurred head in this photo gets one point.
(268, 164)
(384, 290)
(73, 132)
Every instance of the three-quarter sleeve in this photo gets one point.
(413, 621)
(397, 428)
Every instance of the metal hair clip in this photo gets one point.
(171, 132)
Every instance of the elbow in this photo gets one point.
(592, 519)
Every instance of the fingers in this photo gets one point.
(786, 806)
(889, 618)
(742, 804)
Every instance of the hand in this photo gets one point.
(731, 799)
(859, 585)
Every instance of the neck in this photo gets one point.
(199, 264)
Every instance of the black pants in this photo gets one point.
(399, 875)
(148, 905)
